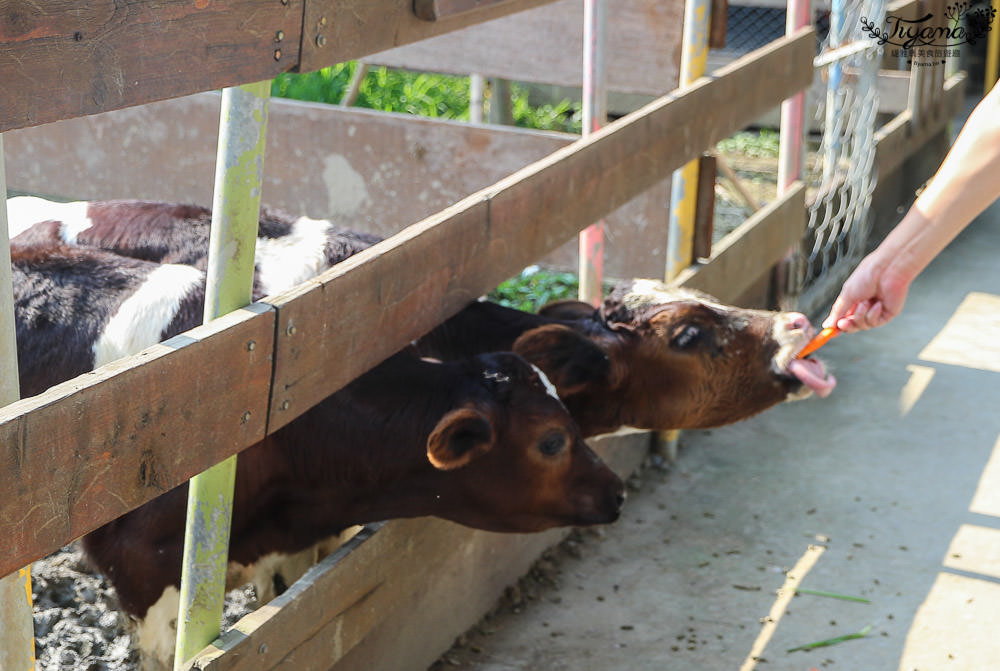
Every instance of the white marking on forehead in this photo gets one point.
(287, 261)
(23, 212)
(549, 387)
(144, 315)
(653, 292)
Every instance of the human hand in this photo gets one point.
(870, 297)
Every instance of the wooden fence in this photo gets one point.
(90, 449)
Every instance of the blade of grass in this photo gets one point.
(833, 641)
(831, 595)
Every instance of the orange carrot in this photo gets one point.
(822, 338)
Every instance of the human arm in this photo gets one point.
(965, 185)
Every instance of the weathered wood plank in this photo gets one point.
(400, 289)
(545, 45)
(71, 59)
(704, 215)
(394, 599)
(717, 27)
(407, 284)
(583, 181)
(757, 244)
(370, 171)
(92, 448)
(341, 30)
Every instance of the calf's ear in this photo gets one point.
(567, 309)
(460, 436)
(570, 360)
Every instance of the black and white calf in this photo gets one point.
(289, 250)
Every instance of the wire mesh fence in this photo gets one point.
(841, 176)
(840, 154)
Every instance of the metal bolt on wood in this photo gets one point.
(235, 213)
(17, 637)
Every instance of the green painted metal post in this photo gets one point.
(235, 212)
(17, 634)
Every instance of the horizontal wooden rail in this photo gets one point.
(751, 249)
(403, 287)
(95, 447)
(70, 59)
(332, 329)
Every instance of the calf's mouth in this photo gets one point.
(810, 372)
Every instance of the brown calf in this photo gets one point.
(651, 357)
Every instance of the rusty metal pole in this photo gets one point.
(17, 633)
(595, 96)
(235, 215)
(791, 154)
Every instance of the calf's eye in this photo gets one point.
(552, 444)
(687, 337)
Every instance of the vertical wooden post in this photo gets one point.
(993, 54)
(17, 630)
(684, 185)
(595, 97)
(235, 214)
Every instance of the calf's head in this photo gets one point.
(514, 460)
(672, 358)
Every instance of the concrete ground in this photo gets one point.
(888, 490)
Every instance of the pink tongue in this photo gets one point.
(810, 373)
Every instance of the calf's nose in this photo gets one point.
(796, 321)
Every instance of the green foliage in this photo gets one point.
(533, 288)
(323, 86)
(420, 93)
(564, 116)
(761, 144)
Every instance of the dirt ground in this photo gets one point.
(888, 491)
(78, 626)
